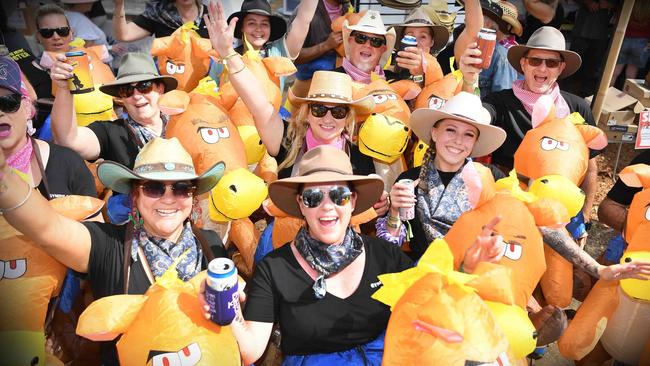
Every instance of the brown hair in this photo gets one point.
(48, 9)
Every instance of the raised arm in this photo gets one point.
(543, 10)
(268, 122)
(309, 54)
(64, 120)
(473, 24)
(300, 26)
(66, 240)
(126, 31)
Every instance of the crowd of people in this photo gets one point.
(316, 288)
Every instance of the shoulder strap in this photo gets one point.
(205, 246)
(128, 240)
(132, 134)
(39, 160)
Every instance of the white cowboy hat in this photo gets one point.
(370, 23)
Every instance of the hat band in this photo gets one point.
(326, 95)
(164, 167)
(153, 76)
(411, 21)
(331, 170)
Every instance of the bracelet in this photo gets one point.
(473, 84)
(238, 71)
(229, 56)
(29, 194)
(393, 222)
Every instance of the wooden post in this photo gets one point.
(614, 49)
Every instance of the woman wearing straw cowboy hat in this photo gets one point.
(318, 287)
(542, 61)
(459, 130)
(125, 258)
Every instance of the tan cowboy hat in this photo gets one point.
(135, 67)
(160, 159)
(510, 16)
(546, 38)
(418, 18)
(438, 11)
(370, 23)
(321, 165)
(464, 107)
(333, 87)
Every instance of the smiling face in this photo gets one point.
(423, 35)
(163, 217)
(13, 126)
(257, 29)
(364, 56)
(454, 141)
(326, 129)
(56, 43)
(540, 79)
(328, 222)
(143, 107)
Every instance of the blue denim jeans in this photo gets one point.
(369, 354)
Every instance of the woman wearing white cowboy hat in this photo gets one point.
(125, 258)
(318, 286)
(459, 130)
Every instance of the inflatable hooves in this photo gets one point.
(550, 323)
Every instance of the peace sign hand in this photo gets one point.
(221, 33)
(486, 248)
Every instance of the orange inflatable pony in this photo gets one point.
(184, 55)
(163, 327)
(557, 146)
(615, 315)
(29, 279)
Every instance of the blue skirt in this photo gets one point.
(369, 354)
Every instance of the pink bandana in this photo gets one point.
(313, 142)
(22, 158)
(358, 75)
(528, 98)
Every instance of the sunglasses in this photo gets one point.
(338, 112)
(550, 63)
(49, 32)
(361, 38)
(10, 103)
(313, 197)
(143, 87)
(156, 189)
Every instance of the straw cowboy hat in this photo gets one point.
(333, 87)
(260, 7)
(160, 159)
(418, 18)
(401, 4)
(370, 23)
(510, 16)
(320, 165)
(135, 67)
(550, 39)
(438, 11)
(464, 107)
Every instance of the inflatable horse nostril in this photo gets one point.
(233, 188)
(628, 259)
(545, 181)
(406, 129)
(535, 334)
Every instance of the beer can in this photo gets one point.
(407, 213)
(221, 290)
(81, 80)
(487, 40)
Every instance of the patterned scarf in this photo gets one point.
(359, 75)
(143, 133)
(508, 42)
(313, 142)
(22, 158)
(165, 12)
(528, 98)
(161, 253)
(327, 259)
(439, 206)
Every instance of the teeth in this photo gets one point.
(166, 213)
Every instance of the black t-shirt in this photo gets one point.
(67, 174)
(281, 291)
(361, 164)
(115, 142)
(623, 194)
(533, 24)
(510, 114)
(159, 29)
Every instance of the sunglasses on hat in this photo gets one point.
(127, 90)
(313, 197)
(156, 189)
(10, 103)
(550, 63)
(361, 38)
(338, 111)
(49, 32)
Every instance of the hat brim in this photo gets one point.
(515, 25)
(363, 105)
(118, 177)
(571, 59)
(440, 34)
(489, 139)
(113, 87)
(368, 189)
(389, 34)
(278, 24)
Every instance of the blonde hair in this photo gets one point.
(298, 125)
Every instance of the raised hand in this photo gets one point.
(221, 33)
(411, 59)
(61, 71)
(635, 269)
(402, 196)
(486, 248)
(468, 63)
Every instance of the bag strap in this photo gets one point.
(205, 245)
(41, 168)
(133, 136)
(128, 241)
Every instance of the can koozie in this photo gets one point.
(81, 80)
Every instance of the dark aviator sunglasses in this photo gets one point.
(313, 197)
(361, 38)
(10, 103)
(156, 189)
(127, 90)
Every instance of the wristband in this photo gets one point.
(229, 56)
(19, 204)
(238, 71)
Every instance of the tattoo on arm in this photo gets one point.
(564, 245)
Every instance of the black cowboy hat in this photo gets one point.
(261, 7)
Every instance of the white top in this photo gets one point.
(84, 28)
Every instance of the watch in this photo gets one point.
(417, 78)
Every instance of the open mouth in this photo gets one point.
(379, 152)
(328, 221)
(214, 204)
(5, 129)
(166, 213)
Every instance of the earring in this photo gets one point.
(30, 127)
(134, 216)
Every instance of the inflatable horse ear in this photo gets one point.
(337, 26)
